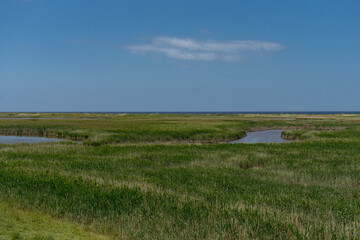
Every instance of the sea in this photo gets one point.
(219, 112)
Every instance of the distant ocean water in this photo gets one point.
(265, 112)
(225, 112)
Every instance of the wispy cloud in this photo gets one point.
(209, 50)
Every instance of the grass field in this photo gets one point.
(171, 177)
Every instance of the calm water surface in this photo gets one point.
(267, 136)
(17, 139)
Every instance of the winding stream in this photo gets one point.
(20, 139)
(267, 136)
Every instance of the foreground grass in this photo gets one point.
(19, 224)
(303, 190)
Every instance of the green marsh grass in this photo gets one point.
(151, 182)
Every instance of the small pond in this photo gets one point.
(19, 139)
(267, 136)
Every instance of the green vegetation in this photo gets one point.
(21, 224)
(138, 177)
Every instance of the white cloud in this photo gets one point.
(190, 49)
(173, 52)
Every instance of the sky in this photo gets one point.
(204, 55)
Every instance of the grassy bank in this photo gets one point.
(134, 178)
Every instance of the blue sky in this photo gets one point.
(92, 55)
